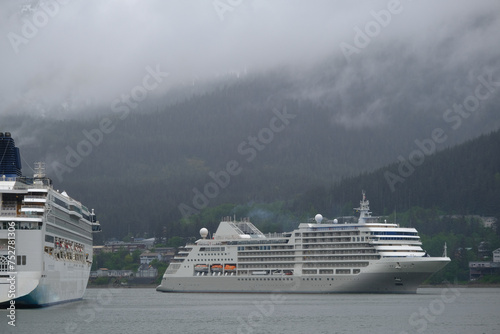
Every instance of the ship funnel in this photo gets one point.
(10, 163)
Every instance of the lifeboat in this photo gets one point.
(201, 268)
(230, 267)
(216, 267)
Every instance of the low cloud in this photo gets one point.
(81, 55)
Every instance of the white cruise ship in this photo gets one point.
(321, 256)
(45, 237)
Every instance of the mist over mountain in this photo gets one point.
(150, 112)
(67, 58)
(255, 140)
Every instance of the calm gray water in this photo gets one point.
(127, 311)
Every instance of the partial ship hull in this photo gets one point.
(384, 279)
(45, 237)
(318, 257)
(61, 283)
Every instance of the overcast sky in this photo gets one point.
(89, 52)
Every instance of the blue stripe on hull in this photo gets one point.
(25, 302)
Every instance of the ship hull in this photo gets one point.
(63, 281)
(383, 276)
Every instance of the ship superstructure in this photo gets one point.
(45, 236)
(320, 256)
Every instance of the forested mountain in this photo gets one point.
(273, 136)
(462, 180)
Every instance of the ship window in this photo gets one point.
(21, 260)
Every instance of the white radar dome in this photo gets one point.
(203, 233)
(318, 218)
(335, 221)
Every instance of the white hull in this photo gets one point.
(379, 277)
(65, 281)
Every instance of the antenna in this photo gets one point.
(39, 170)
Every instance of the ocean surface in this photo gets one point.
(143, 310)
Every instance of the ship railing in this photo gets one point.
(207, 242)
(43, 182)
(267, 253)
(339, 258)
(29, 206)
(9, 206)
(267, 260)
(8, 213)
(228, 237)
(336, 264)
(275, 235)
(22, 226)
(340, 244)
(30, 215)
(4, 178)
(35, 197)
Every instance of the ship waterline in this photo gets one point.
(367, 256)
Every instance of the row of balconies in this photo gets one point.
(340, 258)
(347, 251)
(267, 259)
(266, 266)
(264, 253)
(328, 234)
(336, 239)
(336, 246)
(335, 265)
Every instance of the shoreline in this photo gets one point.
(424, 286)
(128, 286)
(458, 285)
